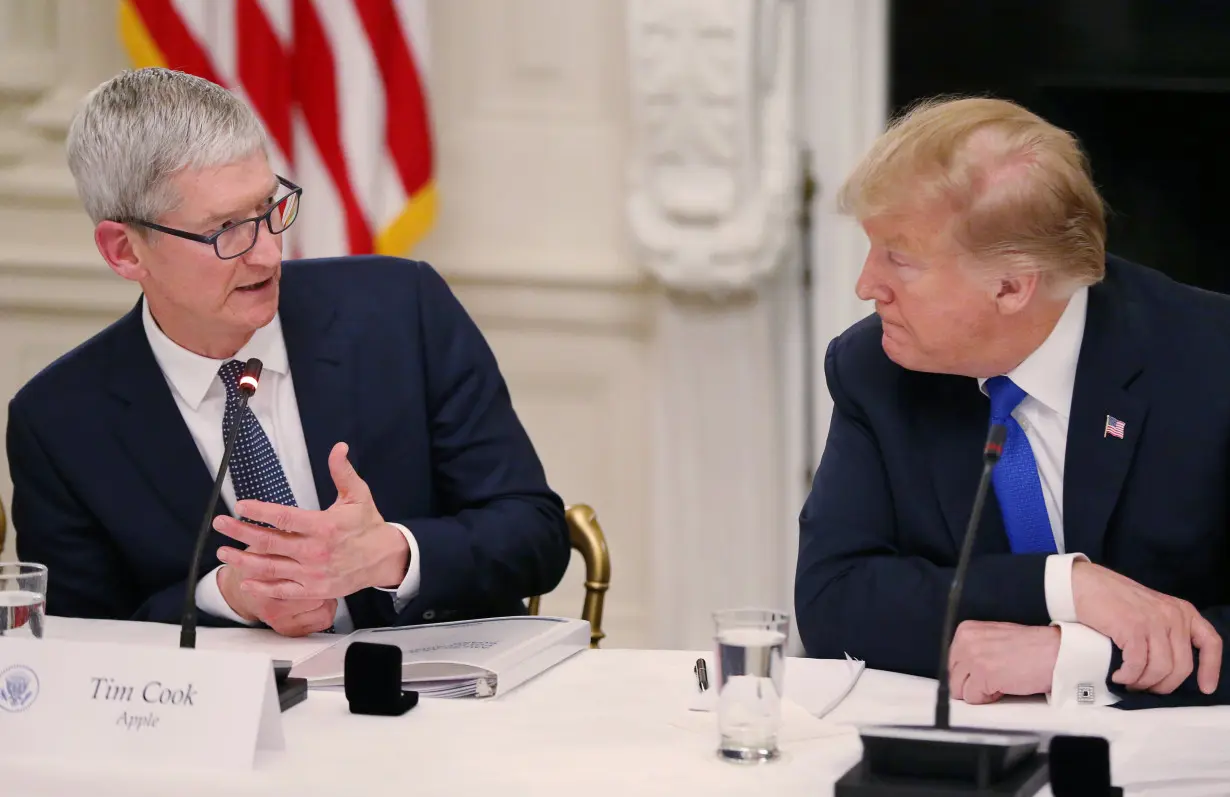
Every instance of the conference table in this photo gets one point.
(604, 722)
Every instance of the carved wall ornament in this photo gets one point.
(713, 169)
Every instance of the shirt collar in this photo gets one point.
(1049, 373)
(191, 375)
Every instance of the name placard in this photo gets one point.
(109, 701)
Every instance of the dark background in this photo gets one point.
(1144, 85)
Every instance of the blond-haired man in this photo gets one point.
(1100, 571)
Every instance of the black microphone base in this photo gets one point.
(923, 761)
(1023, 781)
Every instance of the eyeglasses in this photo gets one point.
(238, 238)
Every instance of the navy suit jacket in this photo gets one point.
(881, 530)
(109, 488)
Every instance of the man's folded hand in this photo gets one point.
(287, 617)
(989, 660)
(1155, 631)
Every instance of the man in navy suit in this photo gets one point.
(380, 475)
(1101, 571)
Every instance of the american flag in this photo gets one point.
(339, 86)
(1114, 426)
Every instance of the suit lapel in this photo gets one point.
(151, 429)
(954, 425)
(1096, 463)
(322, 359)
(321, 365)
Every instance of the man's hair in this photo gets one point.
(136, 130)
(1019, 188)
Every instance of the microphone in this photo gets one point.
(901, 760)
(992, 450)
(291, 691)
(249, 380)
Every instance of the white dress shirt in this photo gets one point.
(201, 398)
(1048, 377)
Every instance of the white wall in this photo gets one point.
(845, 106)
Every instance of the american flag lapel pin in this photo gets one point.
(1114, 427)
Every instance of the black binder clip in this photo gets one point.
(373, 681)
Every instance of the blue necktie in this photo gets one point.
(255, 470)
(1015, 478)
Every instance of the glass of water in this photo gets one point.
(750, 674)
(23, 596)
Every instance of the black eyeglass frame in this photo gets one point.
(212, 240)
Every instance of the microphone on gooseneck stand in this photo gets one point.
(992, 450)
(939, 760)
(290, 690)
(249, 380)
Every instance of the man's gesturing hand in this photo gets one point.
(1155, 631)
(989, 660)
(316, 555)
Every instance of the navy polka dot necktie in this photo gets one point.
(256, 473)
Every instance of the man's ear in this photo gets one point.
(114, 242)
(1016, 291)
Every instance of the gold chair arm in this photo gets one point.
(585, 535)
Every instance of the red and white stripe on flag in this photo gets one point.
(339, 86)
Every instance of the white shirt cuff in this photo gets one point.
(1060, 604)
(209, 598)
(409, 586)
(1080, 672)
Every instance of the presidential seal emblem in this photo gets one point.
(18, 688)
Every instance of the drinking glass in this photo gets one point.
(750, 675)
(23, 597)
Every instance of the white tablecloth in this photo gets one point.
(609, 722)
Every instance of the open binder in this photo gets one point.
(470, 658)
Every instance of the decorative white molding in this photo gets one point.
(63, 36)
(560, 307)
(87, 52)
(27, 35)
(713, 169)
(25, 72)
(62, 281)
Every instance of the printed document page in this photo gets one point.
(436, 653)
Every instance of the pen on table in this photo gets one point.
(702, 675)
